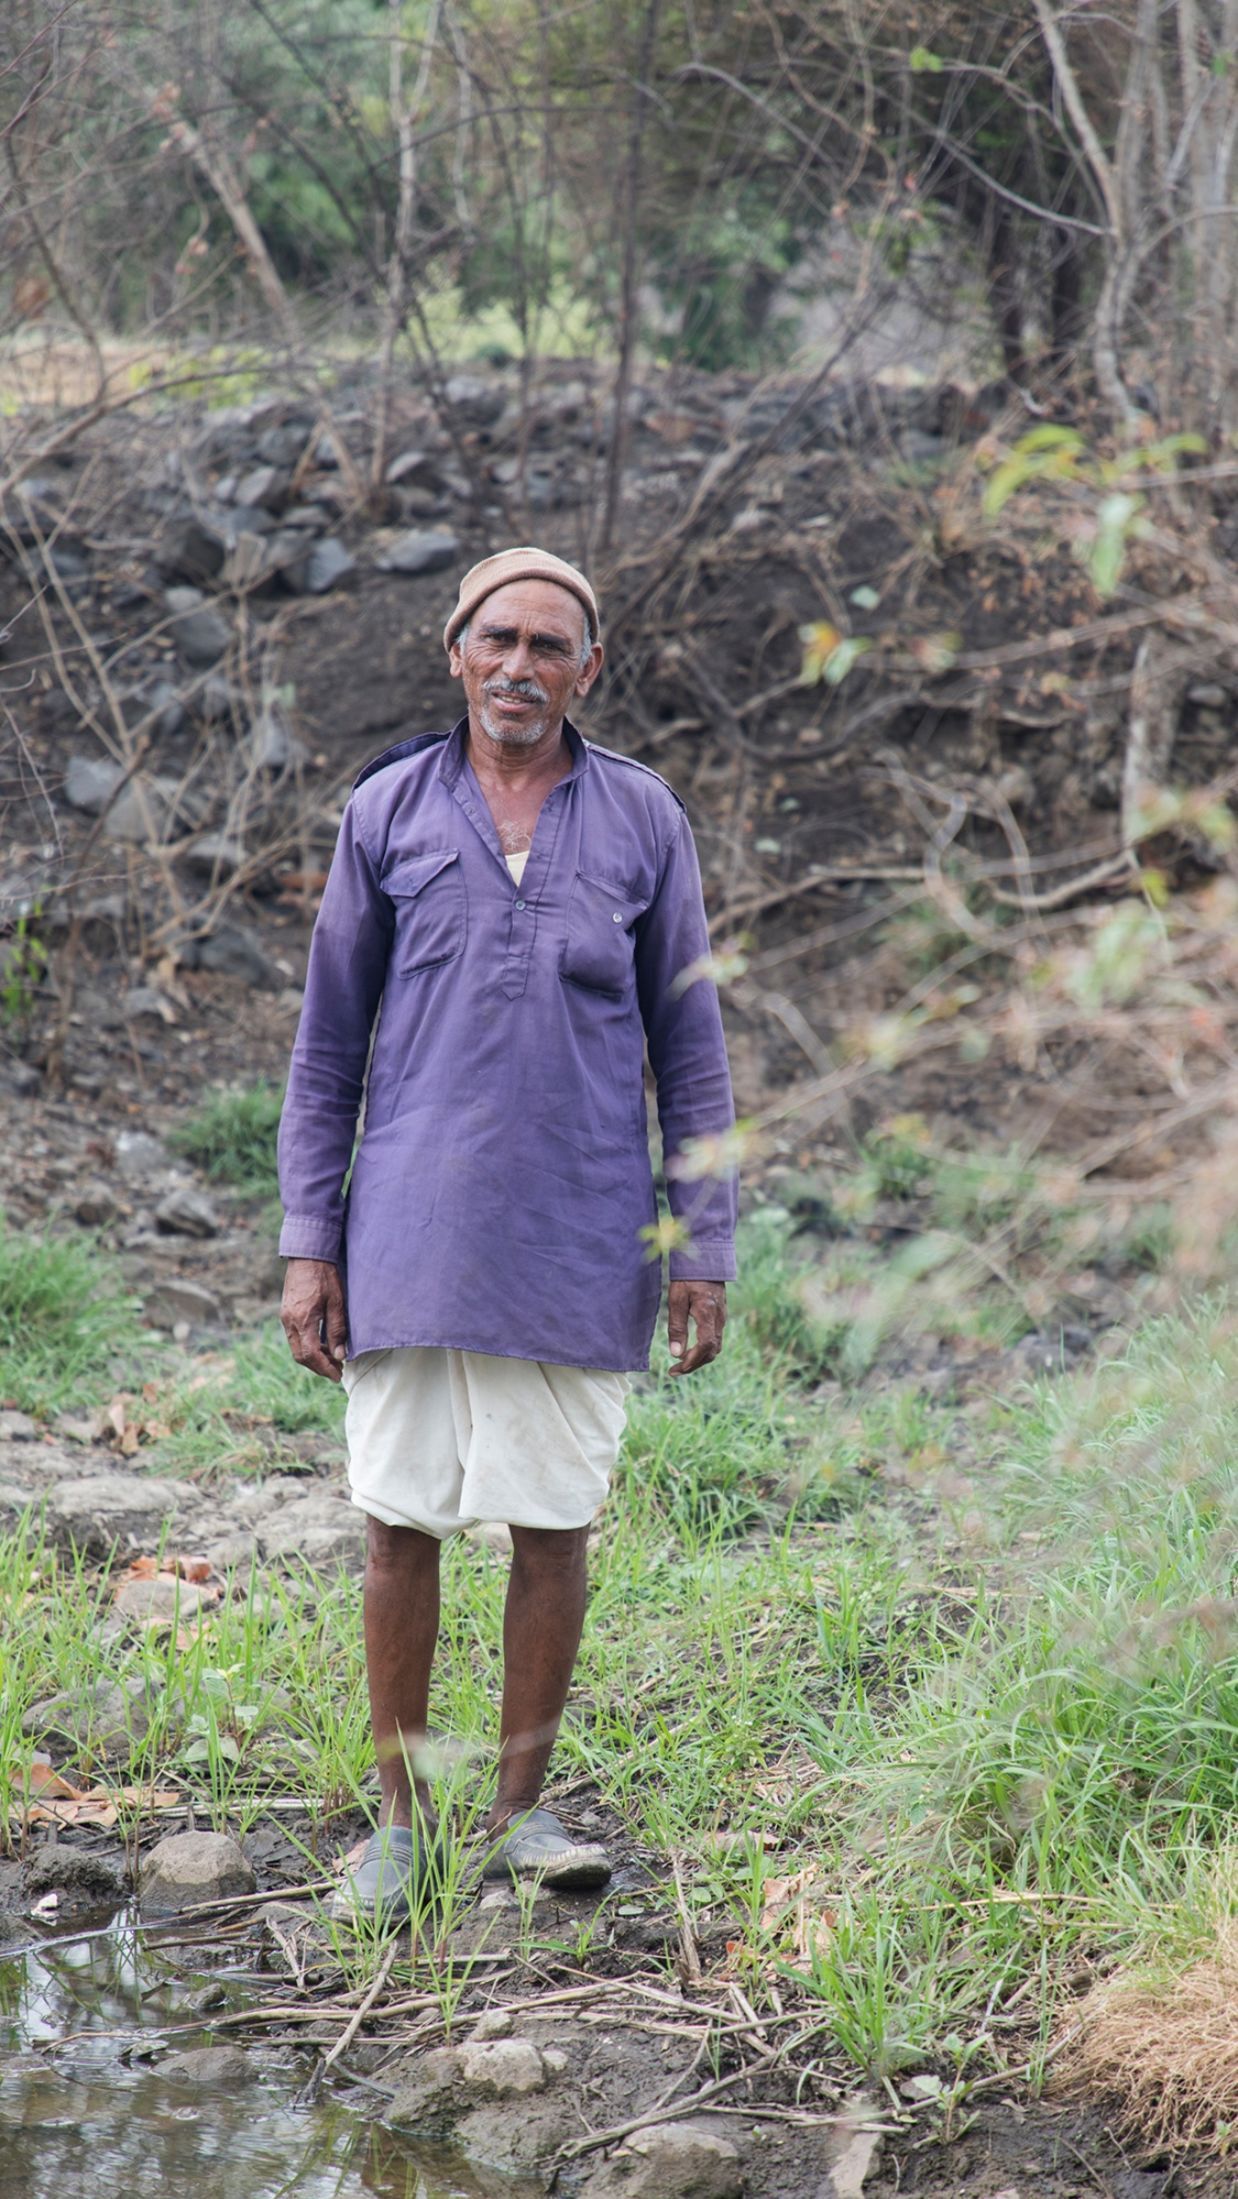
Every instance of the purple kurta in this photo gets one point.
(502, 1183)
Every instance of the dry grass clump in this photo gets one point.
(1165, 2050)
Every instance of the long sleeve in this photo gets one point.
(343, 987)
(687, 1051)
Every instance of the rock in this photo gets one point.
(233, 1551)
(326, 564)
(415, 469)
(421, 550)
(17, 1427)
(97, 1204)
(480, 402)
(200, 633)
(186, 1212)
(101, 1512)
(162, 1597)
(146, 1001)
(272, 745)
(669, 2161)
(516, 2141)
(318, 1531)
(86, 1879)
(176, 1300)
(108, 1718)
(89, 781)
(214, 854)
(190, 549)
(284, 444)
(170, 711)
(140, 1157)
(495, 2023)
(502, 2069)
(427, 2088)
(265, 486)
(234, 951)
(23, 1079)
(215, 2065)
(186, 1868)
(142, 810)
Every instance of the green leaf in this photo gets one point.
(864, 599)
(922, 62)
(841, 659)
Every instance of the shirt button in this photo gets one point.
(520, 904)
(616, 918)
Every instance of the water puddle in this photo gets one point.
(83, 2111)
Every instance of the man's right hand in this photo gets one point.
(315, 1322)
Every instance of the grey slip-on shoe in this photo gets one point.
(539, 1848)
(396, 1875)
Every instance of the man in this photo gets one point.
(525, 908)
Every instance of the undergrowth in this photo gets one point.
(935, 1708)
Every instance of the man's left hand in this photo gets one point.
(704, 1305)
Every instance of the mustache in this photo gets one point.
(525, 690)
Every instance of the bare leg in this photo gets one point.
(401, 1629)
(542, 1620)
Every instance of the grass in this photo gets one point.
(937, 1709)
(64, 1319)
(231, 1137)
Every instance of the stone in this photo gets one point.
(502, 2069)
(89, 781)
(233, 950)
(415, 469)
(186, 1212)
(480, 402)
(190, 549)
(17, 1427)
(669, 2161)
(272, 745)
(265, 486)
(427, 2087)
(97, 1205)
(495, 2023)
(232, 1552)
(169, 709)
(201, 634)
(421, 550)
(214, 2065)
(109, 1718)
(142, 810)
(146, 1001)
(325, 565)
(163, 1597)
(88, 1880)
(516, 2142)
(184, 1869)
(315, 1531)
(175, 1300)
(97, 1513)
(140, 1157)
(284, 444)
(214, 854)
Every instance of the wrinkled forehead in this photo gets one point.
(533, 607)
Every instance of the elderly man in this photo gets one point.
(482, 1273)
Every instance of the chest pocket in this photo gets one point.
(427, 892)
(600, 947)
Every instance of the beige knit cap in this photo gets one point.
(525, 562)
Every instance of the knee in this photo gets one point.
(556, 1550)
(399, 1549)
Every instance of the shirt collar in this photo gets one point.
(453, 757)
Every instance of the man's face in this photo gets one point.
(522, 662)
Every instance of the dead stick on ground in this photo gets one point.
(313, 2084)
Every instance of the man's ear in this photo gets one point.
(589, 669)
(455, 661)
